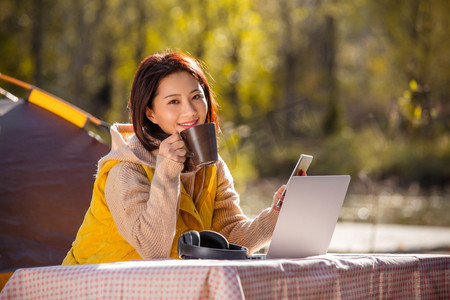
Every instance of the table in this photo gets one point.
(331, 276)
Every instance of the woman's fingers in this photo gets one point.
(280, 192)
(278, 198)
(179, 144)
(173, 148)
(300, 172)
(173, 138)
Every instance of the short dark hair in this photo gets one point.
(146, 81)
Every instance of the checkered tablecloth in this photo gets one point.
(349, 276)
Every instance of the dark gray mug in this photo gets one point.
(201, 142)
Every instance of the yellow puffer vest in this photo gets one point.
(98, 240)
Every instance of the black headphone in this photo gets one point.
(208, 244)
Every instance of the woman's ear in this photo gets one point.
(150, 115)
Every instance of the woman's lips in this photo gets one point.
(188, 124)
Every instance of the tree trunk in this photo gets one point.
(289, 64)
(36, 42)
(331, 121)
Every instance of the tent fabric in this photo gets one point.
(47, 169)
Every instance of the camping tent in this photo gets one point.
(47, 167)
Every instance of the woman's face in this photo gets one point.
(179, 103)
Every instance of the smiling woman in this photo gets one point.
(166, 70)
(180, 103)
(148, 193)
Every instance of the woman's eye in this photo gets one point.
(197, 97)
(174, 101)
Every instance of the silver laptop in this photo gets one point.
(308, 216)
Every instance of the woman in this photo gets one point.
(147, 193)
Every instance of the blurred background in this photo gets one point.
(361, 85)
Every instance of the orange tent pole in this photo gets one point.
(55, 104)
(16, 81)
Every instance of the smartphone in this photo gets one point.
(302, 165)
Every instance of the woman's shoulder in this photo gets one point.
(222, 170)
(221, 163)
(126, 170)
(145, 157)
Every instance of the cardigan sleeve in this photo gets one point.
(230, 221)
(145, 214)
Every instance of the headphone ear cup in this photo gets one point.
(212, 239)
(192, 238)
(208, 245)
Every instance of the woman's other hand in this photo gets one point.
(173, 148)
(279, 195)
(278, 198)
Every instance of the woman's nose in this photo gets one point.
(190, 108)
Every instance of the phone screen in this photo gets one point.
(302, 165)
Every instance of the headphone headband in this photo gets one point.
(188, 250)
